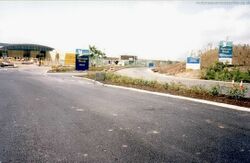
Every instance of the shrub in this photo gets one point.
(215, 90)
(223, 72)
(237, 91)
(166, 86)
(198, 90)
(176, 86)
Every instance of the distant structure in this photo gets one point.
(19, 51)
(111, 60)
(127, 59)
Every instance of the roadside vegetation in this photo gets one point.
(234, 95)
(241, 59)
(59, 68)
(224, 72)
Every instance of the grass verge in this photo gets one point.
(235, 95)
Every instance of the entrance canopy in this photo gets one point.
(28, 47)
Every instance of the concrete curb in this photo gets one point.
(234, 107)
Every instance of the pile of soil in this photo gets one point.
(171, 69)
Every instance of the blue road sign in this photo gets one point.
(193, 60)
(82, 59)
(226, 49)
(83, 51)
(82, 62)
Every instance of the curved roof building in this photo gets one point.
(31, 47)
(24, 50)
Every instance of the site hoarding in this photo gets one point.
(193, 63)
(226, 51)
(70, 59)
(82, 59)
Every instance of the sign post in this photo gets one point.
(82, 59)
(226, 51)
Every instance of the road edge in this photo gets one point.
(224, 105)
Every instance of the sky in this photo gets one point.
(167, 30)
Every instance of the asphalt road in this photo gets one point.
(57, 118)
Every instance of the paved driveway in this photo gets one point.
(57, 118)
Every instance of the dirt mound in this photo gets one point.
(179, 70)
(171, 69)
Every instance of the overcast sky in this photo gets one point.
(149, 29)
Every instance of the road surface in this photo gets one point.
(57, 118)
(147, 74)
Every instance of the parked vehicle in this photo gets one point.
(6, 64)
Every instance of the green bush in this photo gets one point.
(215, 90)
(198, 90)
(222, 72)
(176, 86)
(237, 91)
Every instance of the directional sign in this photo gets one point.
(193, 60)
(226, 51)
(82, 59)
(193, 63)
(82, 62)
(83, 51)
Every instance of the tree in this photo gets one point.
(96, 55)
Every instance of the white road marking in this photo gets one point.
(234, 107)
(85, 155)
(124, 146)
(153, 132)
(220, 126)
(79, 110)
(114, 115)
(110, 130)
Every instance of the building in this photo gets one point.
(128, 57)
(125, 60)
(111, 61)
(19, 51)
